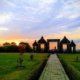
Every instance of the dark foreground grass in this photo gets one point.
(8, 63)
(71, 63)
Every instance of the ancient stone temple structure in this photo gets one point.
(37, 45)
(71, 46)
(42, 45)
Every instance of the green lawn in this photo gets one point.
(72, 59)
(71, 63)
(8, 62)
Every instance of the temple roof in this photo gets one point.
(72, 43)
(42, 40)
(35, 43)
(65, 40)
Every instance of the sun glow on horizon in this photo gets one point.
(53, 45)
(31, 41)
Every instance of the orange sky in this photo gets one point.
(31, 40)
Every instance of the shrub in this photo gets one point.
(77, 59)
(31, 57)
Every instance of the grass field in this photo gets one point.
(8, 62)
(71, 63)
(72, 59)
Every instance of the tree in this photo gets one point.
(13, 44)
(7, 47)
(1, 49)
(27, 46)
(6, 44)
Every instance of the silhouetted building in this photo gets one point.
(42, 45)
(73, 46)
(35, 46)
(66, 42)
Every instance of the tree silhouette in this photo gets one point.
(27, 46)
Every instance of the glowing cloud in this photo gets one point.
(3, 29)
(5, 17)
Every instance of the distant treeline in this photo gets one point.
(12, 47)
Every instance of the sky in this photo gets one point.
(27, 20)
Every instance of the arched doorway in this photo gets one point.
(42, 45)
(53, 45)
(65, 45)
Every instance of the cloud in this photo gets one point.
(59, 16)
(4, 29)
(70, 10)
(73, 16)
(7, 3)
(5, 17)
(36, 9)
(47, 3)
(67, 15)
(10, 3)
